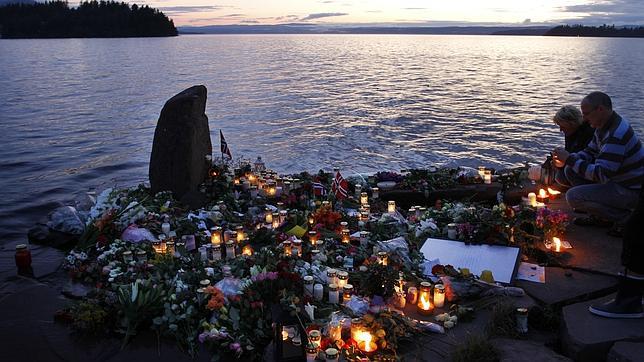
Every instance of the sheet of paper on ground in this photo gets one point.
(501, 260)
(531, 272)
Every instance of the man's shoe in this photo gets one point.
(592, 221)
(619, 308)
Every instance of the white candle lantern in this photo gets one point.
(230, 249)
(439, 295)
(532, 199)
(375, 193)
(364, 198)
(215, 235)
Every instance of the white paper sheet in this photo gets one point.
(531, 272)
(501, 260)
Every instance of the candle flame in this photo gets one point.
(542, 193)
(247, 250)
(364, 337)
(424, 302)
(553, 192)
(557, 243)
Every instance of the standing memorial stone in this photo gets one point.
(181, 142)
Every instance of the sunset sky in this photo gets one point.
(401, 12)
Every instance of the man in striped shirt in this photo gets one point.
(606, 177)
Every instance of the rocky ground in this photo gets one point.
(28, 304)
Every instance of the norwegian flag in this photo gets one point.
(340, 187)
(224, 146)
(318, 189)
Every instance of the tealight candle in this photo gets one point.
(439, 295)
(391, 207)
(366, 343)
(268, 216)
(240, 233)
(247, 250)
(553, 193)
(532, 199)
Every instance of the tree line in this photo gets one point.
(599, 31)
(91, 19)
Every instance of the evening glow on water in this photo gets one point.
(403, 12)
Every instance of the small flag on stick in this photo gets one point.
(224, 146)
(340, 187)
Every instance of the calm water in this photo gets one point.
(79, 114)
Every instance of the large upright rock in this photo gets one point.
(181, 142)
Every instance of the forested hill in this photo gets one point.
(599, 31)
(91, 19)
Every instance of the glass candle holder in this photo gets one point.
(425, 305)
(287, 247)
(141, 256)
(391, 207)
(452, 232)
(318, 292)
(383, 258)
(331, 355)
(375, 193)
(215, 235)
(331, 275)
(347, 292)
(215, 252)
(364, 198)
(297, 247)
(268, 216)
(315, 337)
(356, 328)
(439, 295)
(343, 278)
(127, 256)
(334, 294)
(346, 235)
(313, 237)
(311, 352)
(22, 257)
(247, 250)
(522, 320)
(308, 285)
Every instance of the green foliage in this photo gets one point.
(545, 318)
(503, 319)
(378, 280)
(89, 317)
(138, 302)
(476, 348)
(91, 19)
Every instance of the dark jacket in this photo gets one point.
(579, 140)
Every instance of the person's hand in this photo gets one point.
(559, 156)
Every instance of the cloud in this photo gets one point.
(606, 11)
(248, 21)
(321, 15)
(527, 21)
(233, 15)
(174, 10)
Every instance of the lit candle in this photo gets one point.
(425, 305)
(268, 216)
(532, 199)
(284, 335)
(356, 328)
(557, 244)
(391, 207)
(343, 278)
(543, 196)
(335, 331)
(276, 222)
(439, 295)
(366, 343)
(487, 179)
(364, 198)
(346, 235)
(287, 247)
(334, 295)
(313, 237)
(311, 220)
(240, 233)
(383, 258)
(347, 292)
(481, 171)
(553, 193)
(215, 235)
(247, 250)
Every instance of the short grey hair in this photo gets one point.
(570, 115)
(596, 99)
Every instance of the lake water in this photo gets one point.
(79, 114)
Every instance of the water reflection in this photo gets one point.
(80, 113)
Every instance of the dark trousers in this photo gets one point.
(633, 249)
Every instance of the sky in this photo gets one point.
(401, 12)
